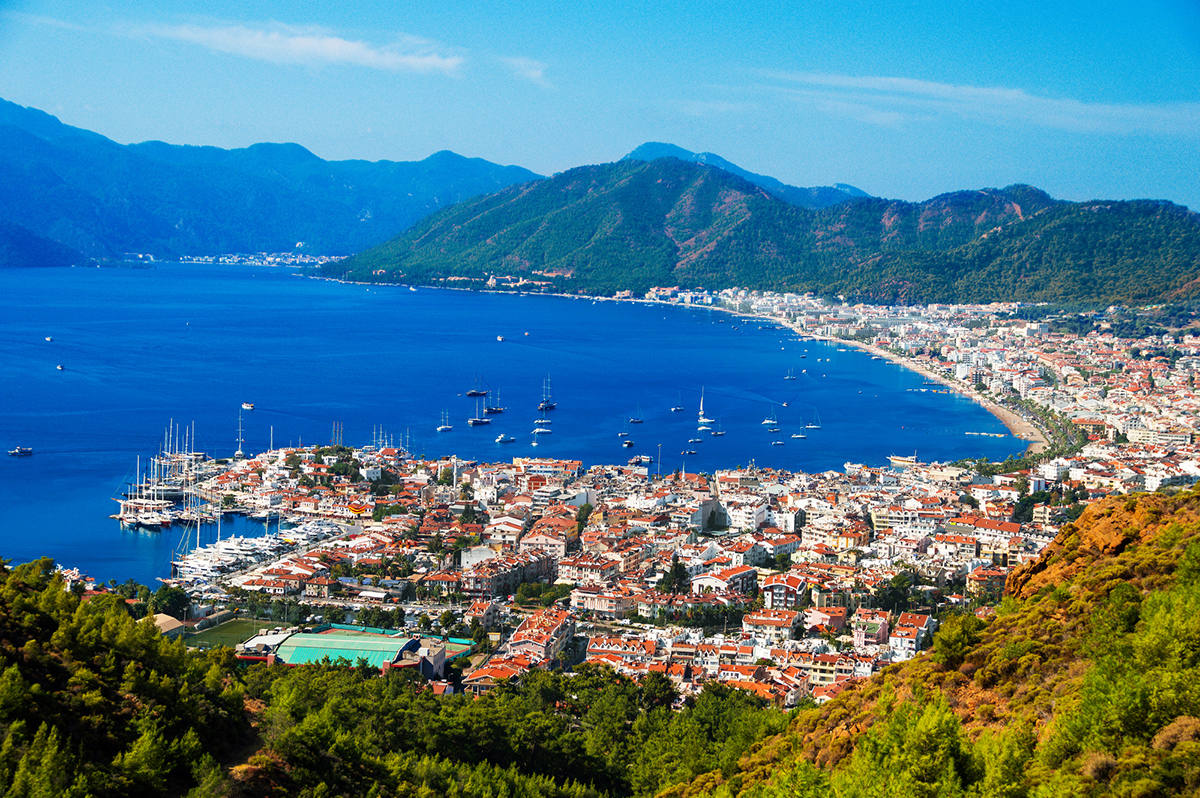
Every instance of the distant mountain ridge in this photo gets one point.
(635, 224)
(813, 197)
(23, 248)
(104, 199)
(70, 196)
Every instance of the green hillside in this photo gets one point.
(634, 224)
(95, 703)
(1085, 682)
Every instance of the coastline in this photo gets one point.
(1019, 428)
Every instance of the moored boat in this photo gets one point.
(547, 403)
(479, 420)
(902, 460)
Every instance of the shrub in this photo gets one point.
(1099, 766)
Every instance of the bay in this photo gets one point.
(189, 343)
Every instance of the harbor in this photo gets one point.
(90, 424)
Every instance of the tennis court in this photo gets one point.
(350, 645)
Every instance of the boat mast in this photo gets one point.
(239, 454)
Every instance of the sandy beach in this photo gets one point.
(1019, 427)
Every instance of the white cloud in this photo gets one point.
(894, 102)
(34, 19)
(289, 46)
(528, 69)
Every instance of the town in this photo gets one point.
(788, 585)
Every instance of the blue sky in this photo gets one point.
(1086, 101)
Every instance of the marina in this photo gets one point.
(90, 424)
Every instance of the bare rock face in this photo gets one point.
(1103, 531)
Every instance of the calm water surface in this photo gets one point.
(142, 347)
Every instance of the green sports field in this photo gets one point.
(229, 633)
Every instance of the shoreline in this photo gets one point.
(1017, 426)
(1020, 428)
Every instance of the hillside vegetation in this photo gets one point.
(94, 703)
(634, 224)
(1085, 682)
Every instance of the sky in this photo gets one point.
(906, 100)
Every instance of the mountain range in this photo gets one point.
(635, 224)
(68, 195)
(661, 216)
(103, 199)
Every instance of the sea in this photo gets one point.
(175, 349)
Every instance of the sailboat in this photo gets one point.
(718, 432)
(678, 407)
(703, 419)
(791, 375)
(445, 425)
(239, 454)
(771, 420)
(492, 409)
(814, 424)
(636, 418)
(478, 390)
(547, 403)
(479, 420)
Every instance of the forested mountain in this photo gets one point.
(694, 220)
(812, 197)
(635, 224)
(105, 199)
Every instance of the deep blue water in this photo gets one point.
(140, 347)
